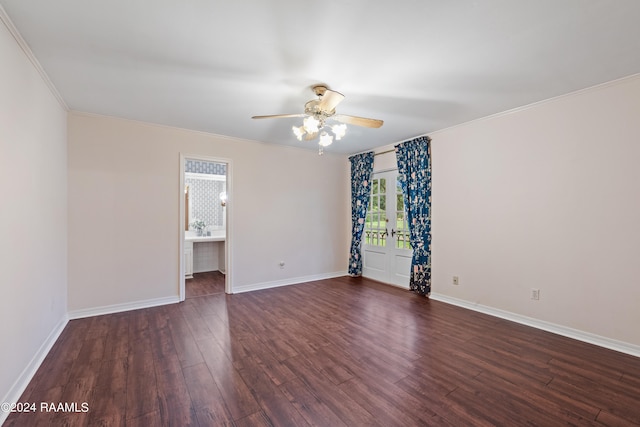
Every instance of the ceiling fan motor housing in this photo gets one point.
(319, 90)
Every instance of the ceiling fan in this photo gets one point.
(317, 112)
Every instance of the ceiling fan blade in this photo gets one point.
(330, 100)
(279, 116)
(358, 121)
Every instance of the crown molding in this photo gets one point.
(8, 23)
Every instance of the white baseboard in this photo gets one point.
(16, 390)
(565, 331)
(117, 308)
(286, 282)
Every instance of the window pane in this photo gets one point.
(400, 202)
(374, 188)
(383, 185)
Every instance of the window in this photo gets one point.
(375, 226)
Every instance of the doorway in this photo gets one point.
(204, 226)
(386, 248)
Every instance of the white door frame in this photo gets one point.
(228, 282)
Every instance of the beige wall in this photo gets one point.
(33, 217)
(287, 205)
(545, 197)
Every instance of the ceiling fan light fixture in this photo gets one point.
(317, 112)
(339, 131)
(325, 139)
(311, 124)
(298, 131)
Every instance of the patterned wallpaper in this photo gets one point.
(204, 194)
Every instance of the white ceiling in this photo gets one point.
(419, 65)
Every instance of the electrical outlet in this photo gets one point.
(456, 280)
(535, 294)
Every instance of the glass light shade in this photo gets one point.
(298, 132)
(311, 124)
(325, 139)
(339, 131)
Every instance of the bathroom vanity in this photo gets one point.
(204, 253)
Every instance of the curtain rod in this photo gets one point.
(384, 152)
(392, 150)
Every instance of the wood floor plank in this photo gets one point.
(312, 408)
(37, 418)
(383, 403)
(480, 410)
(142, 396)
(76, 393)
(207, 283)
(340, 403)
(107, 408)
(90, 357)
(631, 380)
(605, 418)
(116, 345)
(258, 419)
(522, 404)
(162, 344)
(431, 396)
(275, 369)
(342, 351)
(174, 401)
(174, 414)
(198, 327)
(513, 370)
(145, 420)
(624, 406)
(205, 395)
(184, 342)
(272, 400)
(610, 381)
(213, 305)
(563, 405)
(235, 393)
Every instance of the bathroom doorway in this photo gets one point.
(204, 228)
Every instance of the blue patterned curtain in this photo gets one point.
(361, 169)
(414, 173)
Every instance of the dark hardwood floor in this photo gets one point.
(339, 352)
(209, 283)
